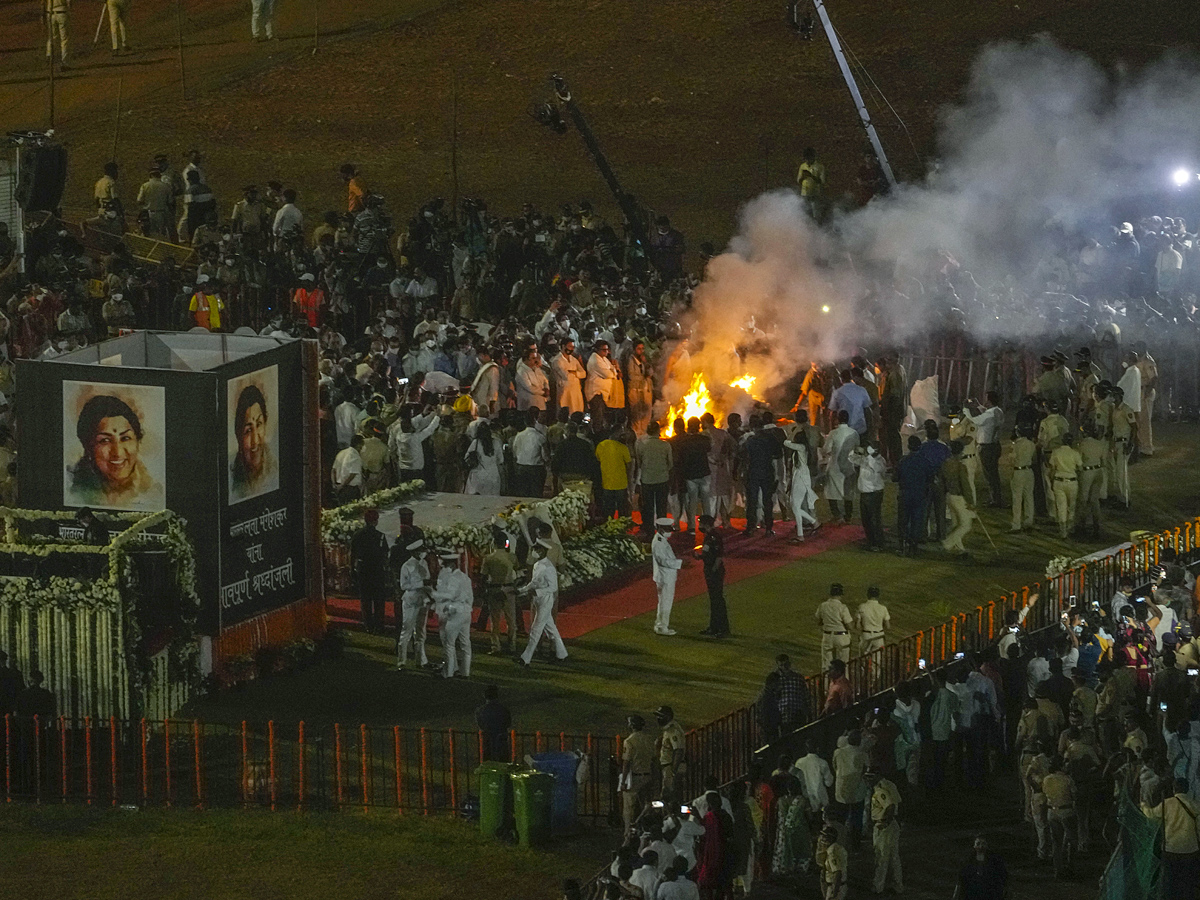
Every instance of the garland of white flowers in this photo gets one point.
(91, 673)
(338, 525)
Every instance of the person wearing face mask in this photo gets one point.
(569, 375)
(872, 470)
(532, 385)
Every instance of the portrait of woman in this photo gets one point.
(119, 466)
(254, 436)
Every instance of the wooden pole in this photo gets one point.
(100, 24)
(316, 26)
(454, 150)
(117, 120)
(50, 60)
(179, 34)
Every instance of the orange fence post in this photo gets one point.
(271, 759)
(87, 736)
(512, 739)
(399, 775)
(8, 758)
(145, 766)
(425, 771)
(362, 762)
(595, 766)
(300, 767)
(245, 765)
(337, 759)
(62, 744)
(199, 780)
(453, 775)
(167, 756)
(537, 742)
(37, 755)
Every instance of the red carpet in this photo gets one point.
(635, 594)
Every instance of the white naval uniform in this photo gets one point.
(666, 567)
(543, 581)
(414, 602)
(453, 598)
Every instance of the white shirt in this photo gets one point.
(529, 448)
(568, 373)
(1037, 672)
(289, 216)
(814, 772)
(1131, 384)
(414, 575)
(347, 469)
(680, 889)
(601, 377)
(453, 592)
(423, 289)
(405, 446)
(646, 878)
(666, 855)
(665, 562)
(543, 580)
(532, 386)
(345, 420)
(685, 840)
(871, 472)
(987, 425)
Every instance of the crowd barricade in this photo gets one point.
(1133, 870)
(188, 763)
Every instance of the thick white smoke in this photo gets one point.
(1045, 143)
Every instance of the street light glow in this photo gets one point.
(1181, 177)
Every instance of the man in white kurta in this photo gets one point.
(531, 383)
(839, 483)
(802, 496)
(453, 599)
(543, 585)
(414, 605)
(568, 375)
(666, 567)
(602, 377)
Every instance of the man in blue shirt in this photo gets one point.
(935, 452)
(854, 399)
(912, 474)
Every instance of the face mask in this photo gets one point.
(228, 237)
(565, 324)
(229, 262)
(382, 265)
(641, 310)
(430, 344)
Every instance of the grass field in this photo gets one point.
(106, 854)
(700, 104)
(625, 667)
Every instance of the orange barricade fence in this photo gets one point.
(300, 765)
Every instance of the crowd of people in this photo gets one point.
(1067, 723)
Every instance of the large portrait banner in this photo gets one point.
(114, 446)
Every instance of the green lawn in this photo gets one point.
(625, 667)
(104, 854)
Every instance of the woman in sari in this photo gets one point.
(710, 865)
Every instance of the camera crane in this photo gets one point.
(548, 114)
(848, 76)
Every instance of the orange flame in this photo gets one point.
(695, 403)
(746, 383)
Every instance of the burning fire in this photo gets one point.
(746, 383)
(695, 403)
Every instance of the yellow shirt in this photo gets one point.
(836, 862)
(1065, 462)
(814, 186)
(1178, 815)
(884, 797)
(614, 459)
(1059, 790)
(638, 751)
(1023, 452)
(672, 740)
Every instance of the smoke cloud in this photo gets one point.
(1045, 145)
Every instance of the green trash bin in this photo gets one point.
(533, 794)
(495, 796)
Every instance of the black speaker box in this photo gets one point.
(43, 175)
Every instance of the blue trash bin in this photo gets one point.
(562, 766)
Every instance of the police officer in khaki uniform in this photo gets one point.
(873, 620)
(670, 750)
(1050, 434)
(1065, 465)
(1102, 421)
(962, 429)
(1092, 453)
(1059, 790)
(57, 15)
(1051, 386)
(637, 766)
(1023, 451)
(834, 618)
(1034, 774)
(1123, 422)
